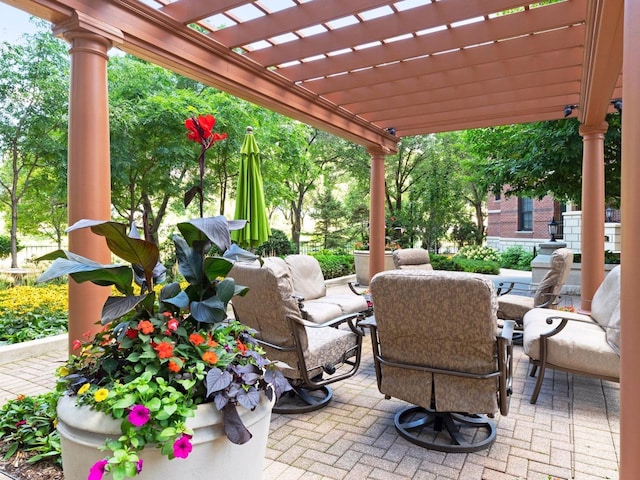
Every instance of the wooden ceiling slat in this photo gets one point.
(290, 20)
(509, 26)
(395, 100)
(428, 16)
(554, 41)
(189, 11)
(450, 78)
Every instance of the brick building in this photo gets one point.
(521, 221)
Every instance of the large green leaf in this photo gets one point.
(189, 263)
(82, 269)
(211, 310)
(226, 289)
(133, 250)
(215, 267)
(116, 307)
(216, 229)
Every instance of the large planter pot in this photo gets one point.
(83, 431)
(361, 258)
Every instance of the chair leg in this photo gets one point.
(302, 400)
(536, 389)
(444, 431)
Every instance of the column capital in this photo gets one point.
(378, 151)
(593, 130)
(85, 26)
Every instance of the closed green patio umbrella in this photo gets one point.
(250, 204)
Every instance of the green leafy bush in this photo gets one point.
(516, 258)
(609, 257)
(462, 264)
(28, 424)
(443, 262)
(278, 245)
(5, 246)
(16, 328)
(335, 265)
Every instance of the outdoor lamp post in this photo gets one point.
(609, 214)
(553, 229)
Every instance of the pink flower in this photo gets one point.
(97, 470)
(138, 415)
(139, 466)
(182, 447)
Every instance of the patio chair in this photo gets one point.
(411, 259)
(515, 298)
(436, 346)
(311, 356)
(317, 305)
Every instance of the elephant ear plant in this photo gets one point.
(164, 350)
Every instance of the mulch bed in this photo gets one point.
(17, 468)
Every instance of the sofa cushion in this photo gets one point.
(581, 346)
(307, 276)
(613, 330)
(606, 298)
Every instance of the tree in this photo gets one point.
(545, 158)
(34, 94)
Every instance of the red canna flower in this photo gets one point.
(77, 344)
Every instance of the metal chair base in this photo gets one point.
(444, 431)
(302, 400)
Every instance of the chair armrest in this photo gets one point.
(336, 322)
(353, 286)
(513, 286)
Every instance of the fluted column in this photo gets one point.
(630, 259)
(376, 213)
(89, 181)
(592, 235)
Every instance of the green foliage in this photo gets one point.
(609, 257)
(477, 266)
(462, 264)
(42, 323)
(278, 245)
(475, 252)
(28, 424)
(516, 258)
(335, 265)
(5, 246)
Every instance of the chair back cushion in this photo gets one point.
(554, 279)
(411, 259)
(268, 306)
(307, 277)
(444, 320)
(605, 307)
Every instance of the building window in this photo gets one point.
(525, 214)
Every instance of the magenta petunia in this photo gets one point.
(182, 447)
(96, 472)
(139, 415)
(139, 466)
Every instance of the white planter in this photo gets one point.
(361, 260)
(83, 431)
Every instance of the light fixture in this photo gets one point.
(617, 104)
(553, 229)
(568, 109)
(608, 213)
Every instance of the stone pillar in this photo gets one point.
(89, 180)
(630, 260)
(592, 236)
(376, 213)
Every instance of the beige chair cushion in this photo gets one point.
(581, 347)
(613, 330)
(318, 311)
(411, 259)
(306, 276)
(513, 307)
(442, 320)
(607, 298)
(554, 279)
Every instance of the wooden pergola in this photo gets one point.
(373, 72)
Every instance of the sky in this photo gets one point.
(13, 23)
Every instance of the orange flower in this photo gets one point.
(210, 357)
(164, 349)
(241, 346)
(196, 339)
(145, 326)
(211, 342)
(173, 366)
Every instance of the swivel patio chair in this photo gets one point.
(411, 259)
(515, 299)
(310, 355)
(436, 346)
